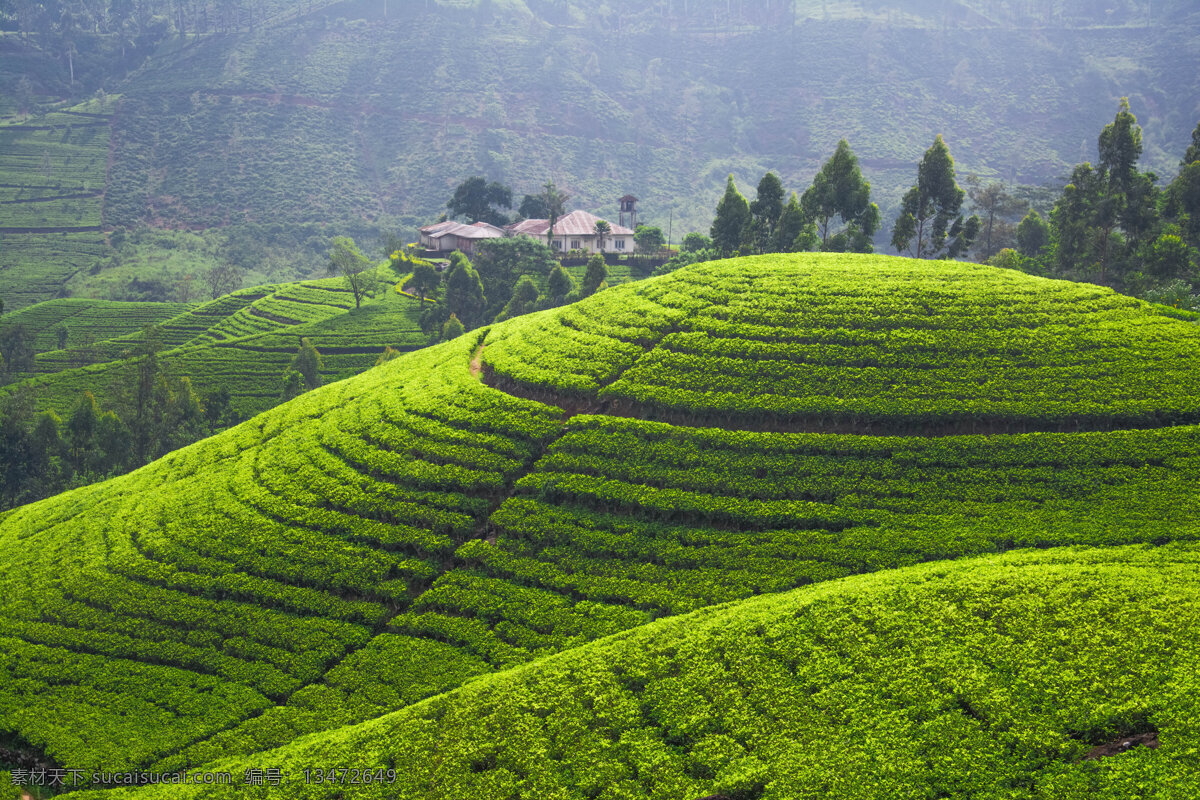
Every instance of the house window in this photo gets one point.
(574, 244)
(620, 244)
(558, 244)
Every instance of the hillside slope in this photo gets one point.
(346, 118)
(241, 344)
(1067, 674)
(388, 537)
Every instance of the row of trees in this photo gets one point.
(1112, 224)
(835, 214)
(503, 282)
(153, 414)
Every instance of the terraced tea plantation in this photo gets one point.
(87, 322)
(53, 170)
(637, 533)
(242, 343)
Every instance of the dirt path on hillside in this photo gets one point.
(477, 363)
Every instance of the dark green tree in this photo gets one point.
(1033, 233)
(81, 432)
(1193, 152)
(791, 223)
(114, 443)
(695, 241)
(649, 239)
(930, 221)
(293, 385)
(596, 274)
(559, 286)
(452, 329)
(765, 210)
(425, 280)
(501, 262)
(732, 222)
(524, 299)
(1107, 213)
(838, 191)
(308, 363)
(533, 206)
(464, 295)
(16, 348)
(477, 201)
(1169, 258)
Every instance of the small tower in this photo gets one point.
(628, 205)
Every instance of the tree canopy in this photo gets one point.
(839, 191)
(930, 222)
(477, 201)
(358, 270)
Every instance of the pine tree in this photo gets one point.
(839, 191)
(929, 220)
(732, 220)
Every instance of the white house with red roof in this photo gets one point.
(574, 231)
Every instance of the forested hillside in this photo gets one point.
(257, 119)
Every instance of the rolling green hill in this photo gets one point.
(469, 508)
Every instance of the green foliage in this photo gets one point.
(732, 221)
(839, 191)
(389, 537)
(929, 220)
(524, 299)
(308, 363)
(452, 329)
(1107, 213)
(900, 356)
(649, 239)
(1183, 201)
(597, 273)
(359, 272)
(558, 286)
(464, 294)
(695, 241)
(1003, 666)
(765, 211)
(425, 280)
(476, 200)
(501, 262)
(1033, 233)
